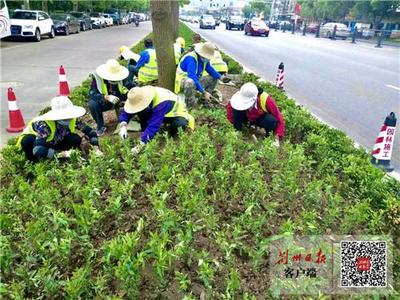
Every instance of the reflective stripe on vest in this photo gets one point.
(179, 108)
(148, 72)
(180, 74)
(52, 125)
(263, 101)
(102, 86)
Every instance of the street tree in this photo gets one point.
(374, 11)
(163, 37)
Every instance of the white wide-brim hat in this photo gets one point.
(139, 98)
(205, 50)
(245, 97)
(62, 109)
(112, 70)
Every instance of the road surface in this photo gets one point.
(32, 68)
(352, 87)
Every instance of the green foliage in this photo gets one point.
(188, 214)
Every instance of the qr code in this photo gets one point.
(363, 264)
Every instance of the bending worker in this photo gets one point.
(146, 67)
(53, 133)
(106, 90)
(154, 106)
(189, 74)
(251, 104)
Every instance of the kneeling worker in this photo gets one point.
(251, 104)
(154, 106)
(53, 133)
(189, 73)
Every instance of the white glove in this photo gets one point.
(64, 154)
(276, 143)
(113, 99)
(207, 96)
(97, 151)
(135, 150)
(123, 132)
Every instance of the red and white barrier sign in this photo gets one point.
(384, 143)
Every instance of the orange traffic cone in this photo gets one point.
(382, 151)
(64, 89)
(16, 120)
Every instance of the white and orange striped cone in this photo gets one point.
(64, 88)
(382, 151)
(16, 120)
(280, 76)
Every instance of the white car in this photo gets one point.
(98, 20)
(108, 19)
(31, 23)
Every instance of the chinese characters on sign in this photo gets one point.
(297, 258)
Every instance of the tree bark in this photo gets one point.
(175, 18)
(163, 39)
(45, 5)
(26, 4)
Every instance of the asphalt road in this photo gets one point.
(32, 68)
(352, 87)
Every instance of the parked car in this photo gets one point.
(312, 27)
(341, 30)
(65, 23)
(256, 27)
(207, 21)
(115, 15)
(217, 21)
(108, 19)
(31, 23)
(97, 19)
(84, 20)
(235, 22)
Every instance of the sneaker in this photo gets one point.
(101, 131)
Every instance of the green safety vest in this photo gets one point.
(52, 125)
(102, 86)
(180, 74)
(179, 108)
(219, 65)
(148, 72)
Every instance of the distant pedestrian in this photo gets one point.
(251, 105)
(53, 134)
(106, 91)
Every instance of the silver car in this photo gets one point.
(341, 30)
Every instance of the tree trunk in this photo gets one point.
(26, 4)
(175, 19)
(45, 5)
(161, 19)
(75, 6)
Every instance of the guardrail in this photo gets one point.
(373, 36)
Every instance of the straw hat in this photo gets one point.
(205, 50)
(62, 109)
(139, 98)
(112, 70)
(245, 97)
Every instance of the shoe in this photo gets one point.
(101, 131)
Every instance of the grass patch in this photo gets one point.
(188, 216)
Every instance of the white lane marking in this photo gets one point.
(393, 87)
